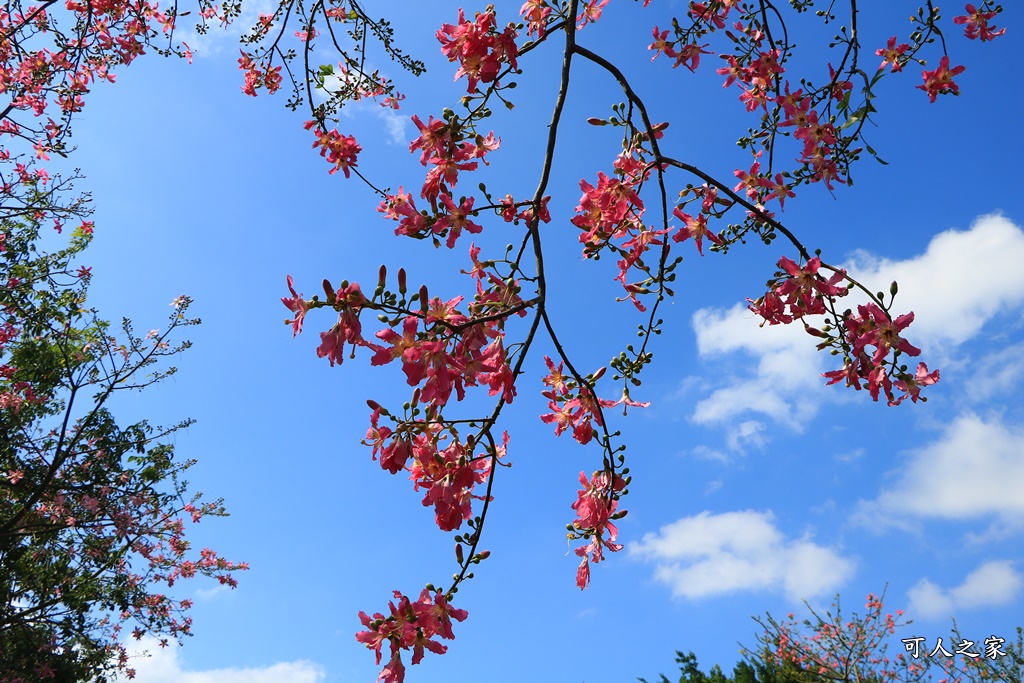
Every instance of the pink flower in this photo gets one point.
(456, 219)
(874, 328)
(583, 573)
(697, 228)
(750, 180)
(940, 81)
(662, 44)
(297, 305)
(595, 506)
(689, 56)
(977, 24)
(590, 13)
(394, 672)
(804, 288)
(911, 386)
(893, 54)
(434, 138)
(535, 14)
(478, 47)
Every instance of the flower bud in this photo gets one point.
(401, 280)
(382, 275)
(328, 290)
(423, 298)
(458, 553)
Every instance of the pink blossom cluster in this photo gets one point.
(939, 81)
(873, 327)
(687, 55)
(757, 77)
(448, 148)
(866, 339)
(535, 13)
(349, 301)
(13, 394)
(409, 626)
(613, 210)
(447, 474)
(687, 52)
(595, 506)
(339, 150)
(819, 138)
(574, 407)
(976, 22)
(258, 75)
(801, 291)
(105, 34)
(445, 360)
(478, 47)
(697, 227)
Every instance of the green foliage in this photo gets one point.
(91, 512)
(759, 670)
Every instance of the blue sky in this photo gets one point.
(755, 486)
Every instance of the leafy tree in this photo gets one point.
(853, 649)
(92, 511)
(832, 649)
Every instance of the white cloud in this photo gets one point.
(162, 666)
(786, 376)
(747, 433)
(707, 555)
(992, 584)
(961, 281)
(973, 469)
(706, 453)
(396, 125)
(997, 372)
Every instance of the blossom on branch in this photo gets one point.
(940, 80)
(976, 24)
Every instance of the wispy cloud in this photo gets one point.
(973, 469)
(993, 584)
(154, 664)
(708, 554)
(963, 280)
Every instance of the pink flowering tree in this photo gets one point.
(464, 354)
(877, 647)
(830, 647)
(93, 512)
